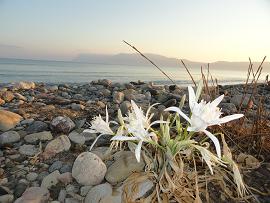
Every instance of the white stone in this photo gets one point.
(88, 169)
(98, 192)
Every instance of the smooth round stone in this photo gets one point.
(88, 169)
(62, 124)
(37, 126)
(34, 195)
(50, 180)
(9, 137)
(8, 198)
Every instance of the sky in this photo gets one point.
(198, 30)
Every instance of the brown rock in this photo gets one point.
(8, 120)
(34, 195)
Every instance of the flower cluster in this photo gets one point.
(136, 128)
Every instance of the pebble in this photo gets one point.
(24, 85)
(55, 166)
(62, 124)
(125, 107)
(8, 120)
(19, 189)
(9, 137)
(56, 146)
(50, 180)
(118, 97)
(36, 126)
(34, 195)
(8, 198)
(41, 136)
(123, 167)
(31, 176)
(88, 169)
(76, 138)
(77, 107)
(98, 192)
(7, 96)
(28, 150)
(85, 189)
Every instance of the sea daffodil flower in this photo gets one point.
(98, 125)
(204, 115)
(137, 127)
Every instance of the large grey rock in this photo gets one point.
(98, 192)
(123, 167)
(62, 124)
(88, 169)
(41, 136)
(8, 120)
(59, 144)
(9, 137)
(8, 198)
(34, 195)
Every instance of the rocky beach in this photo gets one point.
(41, 138)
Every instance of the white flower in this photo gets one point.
(137, 126)
(204, 115)
(98, 125)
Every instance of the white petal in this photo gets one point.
(191, 97)
(217, 100)
(191, 129)
(149, 109)
(136, 110)
(123, 138)
(90, 131)
(216, 142)
(156, 122)
(175, 109)
(138, 151)
(230, 118)
(107, 115)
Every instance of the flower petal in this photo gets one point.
(216, 142)
(216, 102)
(191, 97)
(229, 118)
(175, 109)
(123, 138)
(138, 151)
(107, 115)
(90, 131)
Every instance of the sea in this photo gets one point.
(13, 70)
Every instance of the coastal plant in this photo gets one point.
(175, 151)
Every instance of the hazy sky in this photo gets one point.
(201, 30)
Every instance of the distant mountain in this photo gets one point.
(162, 61)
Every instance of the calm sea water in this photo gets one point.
(12, 70)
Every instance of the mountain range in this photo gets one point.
(162, 61)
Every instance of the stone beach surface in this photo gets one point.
(44, 153)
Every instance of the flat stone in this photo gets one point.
(40, 136)
(59, 144)
(28, 150)
(8, 120)
(37, 126)
(88, 169)
(34, 195)
(9, 137)
(76, 138)
(85, 189)
(123, 167)
(50, 180)
(98, 192)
